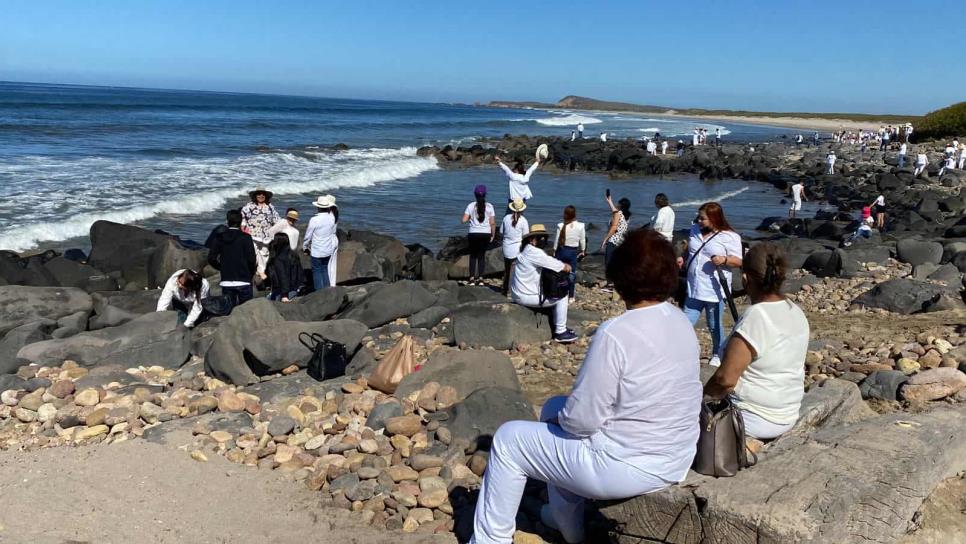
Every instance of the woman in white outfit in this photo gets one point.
(663, 221)
(570, 244)
(764, 363)
(519, 179)
(183, 292)
(525, 286)
(962, 156)
(322, 242)
(630, 424)
(513, 228)
(921, 161)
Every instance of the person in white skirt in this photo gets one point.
(513, 228)
(630, 424)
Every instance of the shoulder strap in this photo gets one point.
(691, 259)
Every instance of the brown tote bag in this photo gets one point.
(396, 365)
(721, 442)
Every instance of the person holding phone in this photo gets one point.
(619, 216)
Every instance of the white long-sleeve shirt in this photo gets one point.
(638, 393)
(512, 236)
(519, 183)
(526, 275)
(172, 291)
(576, 236)
(320, 237)
(289, 230)
(663, 222)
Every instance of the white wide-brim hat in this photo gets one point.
(542, 152)
(324, 201)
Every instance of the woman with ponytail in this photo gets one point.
(764, 362)
(514, 228)
(482, 219)
(570, 244)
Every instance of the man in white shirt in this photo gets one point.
(287, 226)
(664, 145)
(525, 286)
(651, 147)
(830, 158)
(798, 195)
(580, 130)
(902, 154)
(717, 136)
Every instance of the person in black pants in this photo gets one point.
(233, 254)
(482, 219)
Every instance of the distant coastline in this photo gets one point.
(802, 120)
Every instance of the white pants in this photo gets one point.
(919, 169)
(962, 161)
(762, 429)
(831, 168)
(559, 309)
(261, 259)
(570, 467)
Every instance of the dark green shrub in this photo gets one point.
(944, 123)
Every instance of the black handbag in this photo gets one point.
(217, 306)
(553, 285)
(329, 358)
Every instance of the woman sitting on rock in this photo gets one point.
(514, 227)
(764, 363)
(525, 287)
(285, 273)
(183, 292)
(630, 424)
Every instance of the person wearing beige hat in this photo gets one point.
(258, 216)
(322, 242)
(287, 227)
(513, 228)
(525, 285)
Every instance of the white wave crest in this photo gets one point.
(716, 198)
(73, 194)
(568, 120)
(652, 129)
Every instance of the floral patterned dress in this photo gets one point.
(258, 218)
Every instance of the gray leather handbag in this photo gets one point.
(721, 442)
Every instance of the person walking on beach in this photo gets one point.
(570, 244)
(482, 219)
(830, 159)
(663, 221)
(322, 242)
(285, 273)
(879, 208)
(921, 161)
(619, 216)
(798, 195)
(232, 253)
(580, 130)
(183, 292)
(258, 216)
(525, 286)
(713, 247)
(287, 227)
(514, 227)
(903, 149)
(519, 179)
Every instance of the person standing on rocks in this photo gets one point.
(514, 227)
(962, 156)
(573, 135)
(712, 244)
(903, 149)
(603, 137)
(630, 424)
(183, 292)
(322, 242)
(830, 159)
(570, 244)
(287, 227)
(258, 216)
(798, 195)
(764, 363)
(482, 219)
(619, 216)
(285, 273)
(525, 286)
(580, 130)
(232, 253)
(519, 179)
(664, 147)
(921, 161)
(717, 136)
(879, 208)
(663, 221)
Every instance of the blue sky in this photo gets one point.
(847, 55)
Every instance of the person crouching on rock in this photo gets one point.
(514, 227)
(525, 287)
(183, 292)
(764, 363)
(284, 269)
(233, 254)
(482, 219)
(630, 424)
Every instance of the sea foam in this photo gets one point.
(568, 120)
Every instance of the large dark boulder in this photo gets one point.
(124, 248)
(152, 339)
(276, 347)
(476, 419)
(15, 270)
(500, 325)
(390, 252)
(171, 256)
(69, 273)
(916, 252)
(316, 306)
(388, 302)
(356, 265)
(907, 296)
(225, 359)
(22, 304)
(15, 339)
(824, 263)
(466, 371)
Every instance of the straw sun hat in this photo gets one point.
(517, 205)
(324, 201)
(536, 230)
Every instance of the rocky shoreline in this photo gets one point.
(85, 361)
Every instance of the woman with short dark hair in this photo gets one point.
(285, 273)
(183, 292)
(630, 424)
(764, 362)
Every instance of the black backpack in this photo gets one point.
(329, 358)
(553, 285)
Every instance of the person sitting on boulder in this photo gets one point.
(183, 292)
(525, 286)
(630, 424)
(285, 273)
(764, 363)
(864, 231)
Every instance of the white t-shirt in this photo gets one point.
(702, 277)
(651, 147)
(831, 158)
(921, 158)
(902, 148)
(477, 226)
(880, 201)
(797, 191)
(526, 274)
(950, 162)
(289, 230)
(512, 236)
(773, 384)
(576, 236)
(638, 393)
(663, 222)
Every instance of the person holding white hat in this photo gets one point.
(525, 285)
(519, 178)
(322, 242)
(258, 216)
(514, 227)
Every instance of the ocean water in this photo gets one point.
(70, 155)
